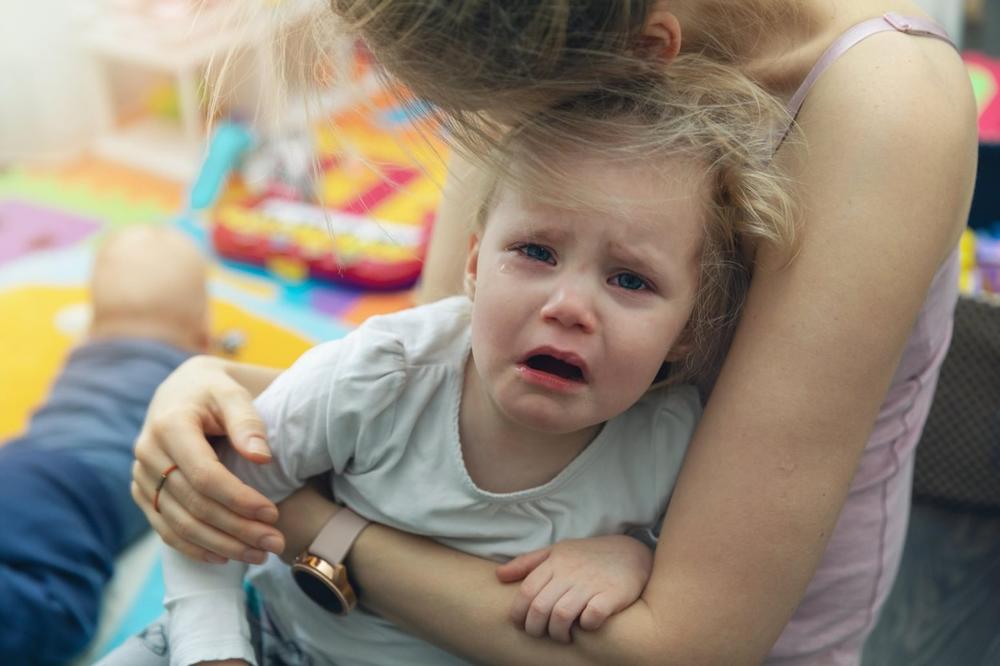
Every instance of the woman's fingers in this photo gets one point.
(187, 529)
(565, 612)
(181, 441)
(233, 406)
(204, 522)
(169, 536)
(540, 610)
(522, 565)
(194, 522)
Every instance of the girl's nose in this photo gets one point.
(571, 307)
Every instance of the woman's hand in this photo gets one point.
(589, 579)
(204, 511)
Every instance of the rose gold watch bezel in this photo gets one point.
(333, 577)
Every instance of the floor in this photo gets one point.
(945, 607)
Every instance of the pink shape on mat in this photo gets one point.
(27, 228)
(333, 301)
(393, 179)
(985, 72)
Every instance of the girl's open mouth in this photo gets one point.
(554, 366)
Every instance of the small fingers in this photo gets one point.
(600, 607)
(537, 622)
(565, 612)
(522, 565)
(527, 592)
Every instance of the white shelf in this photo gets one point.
(155, 146)
(175, 49)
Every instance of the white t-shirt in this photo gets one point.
(380, 408)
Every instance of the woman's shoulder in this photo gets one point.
(893, 84)
(886, 145)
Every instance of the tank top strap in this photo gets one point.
(856, 34)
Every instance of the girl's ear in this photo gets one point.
(681, 349)
(472, 267)
(661, 33)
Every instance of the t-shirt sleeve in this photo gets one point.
(675, 415)
(676, 418)
(330, 411)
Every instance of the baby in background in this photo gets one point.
(553, 401)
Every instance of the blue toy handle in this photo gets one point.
(228, 144)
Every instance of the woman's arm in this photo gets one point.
(771, 463)
(449, 243)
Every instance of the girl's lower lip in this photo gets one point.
(547, 379)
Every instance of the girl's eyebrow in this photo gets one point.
(543, 232)
(643, 261)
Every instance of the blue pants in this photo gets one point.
(65, 502)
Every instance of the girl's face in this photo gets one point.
(576, 310)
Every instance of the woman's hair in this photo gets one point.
(696, 113)
(515, 82)
(482, 61)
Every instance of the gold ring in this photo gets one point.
(159, 487)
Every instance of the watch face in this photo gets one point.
(317, 590)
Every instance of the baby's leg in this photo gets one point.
(148, 648)
(150, 282)
(151, 646)
(64, 483)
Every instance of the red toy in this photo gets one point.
(297, 240)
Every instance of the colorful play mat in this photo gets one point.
(51, 220)
(985, 74)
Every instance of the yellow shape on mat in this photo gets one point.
(32, 347)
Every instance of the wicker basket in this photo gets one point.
(958, 460)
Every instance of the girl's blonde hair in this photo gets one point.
(711, 117)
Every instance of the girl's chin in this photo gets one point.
(542, 414)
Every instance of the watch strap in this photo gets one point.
(334, 541)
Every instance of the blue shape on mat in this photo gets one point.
(229, 143)
(147, 606)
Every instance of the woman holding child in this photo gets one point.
(786, 525)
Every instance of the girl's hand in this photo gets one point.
(590, 579)
(204, 511)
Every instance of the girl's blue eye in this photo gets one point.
(536, 252)
(629, 281)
